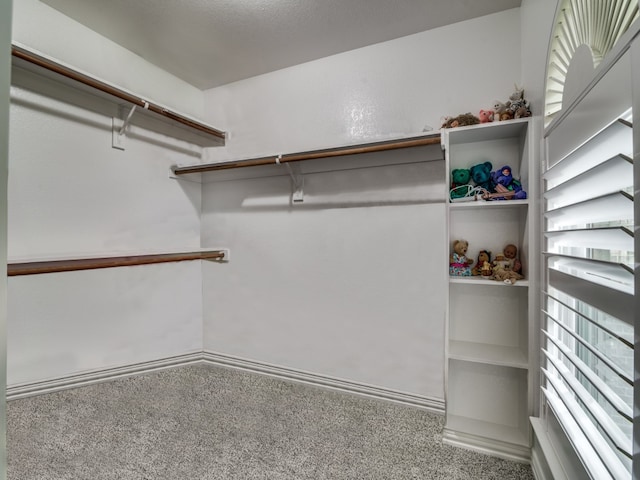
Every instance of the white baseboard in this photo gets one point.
(431, 404)
(495, 448)
(15, 392)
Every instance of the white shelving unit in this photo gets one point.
(488, 382)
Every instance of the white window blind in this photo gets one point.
(588, 304)
(597, 24)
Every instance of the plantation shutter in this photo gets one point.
(588, 293)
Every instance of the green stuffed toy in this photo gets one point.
(459, 178)
(481, 175)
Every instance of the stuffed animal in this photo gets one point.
(481, 175)
(511, 255)
(518, 106)
(459, 264)
(483, 265)
(504, 182)
(461, 121)
(499, 108)
(515, 107)
(486, 116)
(459, 178)
(502, 270)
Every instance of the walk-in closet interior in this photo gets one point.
(261, 193)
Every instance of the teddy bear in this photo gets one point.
(481, 175)
(486, 116)
(459, 178)
(483, 265)
(504, 182)
(459, 264)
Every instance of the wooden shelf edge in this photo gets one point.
(408, 142)
(55, 266)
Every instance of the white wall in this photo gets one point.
(62, 324)
(71, 194)
(310, 288)
(44, 29)
(347, 285)
(537, 22)
(389, 89)
(5, 62)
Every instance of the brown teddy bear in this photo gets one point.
(459, 264)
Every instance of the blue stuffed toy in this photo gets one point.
(504, 182)
(481, 175)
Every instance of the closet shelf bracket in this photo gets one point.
(297, 180)
(119, 127)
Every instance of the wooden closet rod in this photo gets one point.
(312, 155)
(111, 90)
(54, 266)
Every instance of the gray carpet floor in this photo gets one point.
(202, 422)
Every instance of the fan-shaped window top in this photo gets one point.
(598, 24)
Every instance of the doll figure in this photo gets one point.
(505, 183)
(511, 255)
(502, 270)
(483, 264)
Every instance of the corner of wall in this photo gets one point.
(46, 30)
(5, 80)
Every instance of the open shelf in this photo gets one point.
(487, 131)
(495, 431)
(491, 354)
(480, 281)
(488, 341)
(185, 127)
(482, 204)
(382, 146)
(488, 400)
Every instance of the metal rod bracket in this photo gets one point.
(297, 181)
(119, 128)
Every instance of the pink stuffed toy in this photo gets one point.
(486, 116)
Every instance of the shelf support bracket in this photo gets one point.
(297, 180)
(118, 131)
(125, 124)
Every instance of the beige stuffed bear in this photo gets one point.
(459, 264)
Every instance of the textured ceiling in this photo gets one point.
(212, 42)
